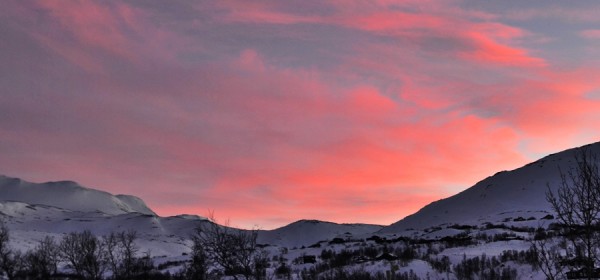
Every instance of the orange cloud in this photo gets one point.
(270, 112)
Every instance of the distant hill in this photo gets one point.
(34, 209)
(309, 232)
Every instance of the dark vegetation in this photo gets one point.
(83, 255)
(219, 252)
(577, 207)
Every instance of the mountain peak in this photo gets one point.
(71, 196)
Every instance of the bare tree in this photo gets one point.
(261, 263)
(84, 253)
(113, 254)
(232, 250)
(549, 258)
(42, 262)
(5, 251)
(129, 251)
(577, 205)
(121, 252)
(13, 265)
(198, 267)
(11, 262)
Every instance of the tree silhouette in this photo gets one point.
(234, 251)
(577, 205)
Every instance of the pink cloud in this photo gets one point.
(93, 35)
(590, 34)
(323, 112)
(488, 40)
(261, 12)
(94, 24)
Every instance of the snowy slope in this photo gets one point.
(309, 232)
(506, 195)
(168, 236)
(69, 195)
(160, 235)
(32, 211)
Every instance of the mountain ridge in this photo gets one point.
(517, 192)
(35, 207)
(506, 195)
(70, 195)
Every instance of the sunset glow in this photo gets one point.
(270, 112)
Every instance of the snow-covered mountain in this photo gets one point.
(58, 207)
(501, 197)
(33, 210)
(70, 196)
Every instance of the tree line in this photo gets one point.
(217, 251)
(82, 254)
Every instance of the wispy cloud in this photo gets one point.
(593, 34)
(319, 110)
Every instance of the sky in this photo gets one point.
(267, 112)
